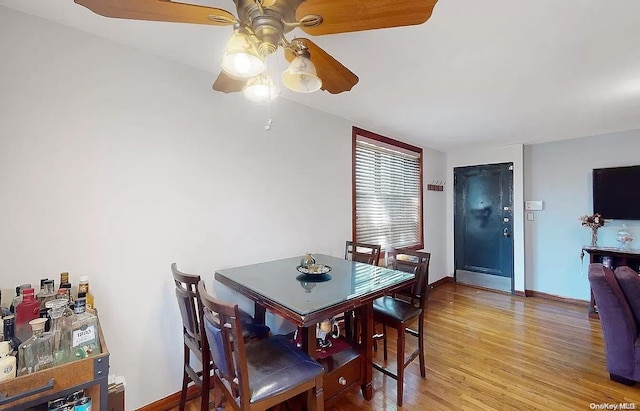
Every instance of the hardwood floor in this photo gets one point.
(493, 351)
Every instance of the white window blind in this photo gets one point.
(388, 194)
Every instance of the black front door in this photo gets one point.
(483, 225)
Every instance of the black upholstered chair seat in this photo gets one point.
(257, 376)
(390, 307)
(276, 365)
(252, 328)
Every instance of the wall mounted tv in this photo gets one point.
(616, 192)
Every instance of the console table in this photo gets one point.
(611, 257)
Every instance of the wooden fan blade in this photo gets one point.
(335, 77)
(228, 84)
(341, 16)
(159, 10)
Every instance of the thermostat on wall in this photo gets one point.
(533, 205)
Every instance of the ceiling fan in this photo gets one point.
(259, 30)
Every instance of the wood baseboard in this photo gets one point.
(171, 401)
(520, 293)
(532, 293)
(443, 280)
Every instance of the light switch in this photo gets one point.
(529, 216)
(533, 205)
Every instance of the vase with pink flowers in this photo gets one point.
(594, 222)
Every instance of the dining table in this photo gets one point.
(306, 299)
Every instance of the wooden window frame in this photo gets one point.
(395, 143)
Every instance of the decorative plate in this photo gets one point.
(314, 269)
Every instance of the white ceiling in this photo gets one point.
(478, 72)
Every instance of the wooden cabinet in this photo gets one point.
(33, 390)
(612, 258)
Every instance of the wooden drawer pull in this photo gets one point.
(5, 399)
(342, 381)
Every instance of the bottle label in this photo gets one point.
(84, 334)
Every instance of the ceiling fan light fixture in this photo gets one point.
(301, 76)
(260, 89)
(241, 57)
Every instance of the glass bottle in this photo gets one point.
(4, 310)
(18, 298)
(61, 322)
(65, 292)
(36, 353)
(42, 280)
(26, 311)
(7, 362)
(85, 340)
(47, 293)
(8, 331)
(83, 286)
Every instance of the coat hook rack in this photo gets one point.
(436, 185)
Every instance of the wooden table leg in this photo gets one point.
(259, 313)
(309, 340)
(366, 342)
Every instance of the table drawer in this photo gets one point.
(342, 378)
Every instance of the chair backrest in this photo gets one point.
(362, 252)
(189, 303)
(224, 334)
(416, 262)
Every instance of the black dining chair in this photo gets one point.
(260, 375)
(191, 312)
(400, 310)
(361, 253)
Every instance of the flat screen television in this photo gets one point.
(616, 192)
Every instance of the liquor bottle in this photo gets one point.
(85, 339)
(18, 298)
(42, 280)
(8, 331)
(47, 293)
(4, 310)
(61, 319)
(36, 353)
(65, 292)
(26, 311)
(83, 286)
(7, 362)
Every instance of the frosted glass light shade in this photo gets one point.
(241, 58)
(260, 89)
(301, 76)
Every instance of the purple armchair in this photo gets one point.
(619, 327)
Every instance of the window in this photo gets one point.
(387, 191)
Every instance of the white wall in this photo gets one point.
(560, 174)
(435, 227)
(476, 156)
(115, 163)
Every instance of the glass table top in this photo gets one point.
(281, 282)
